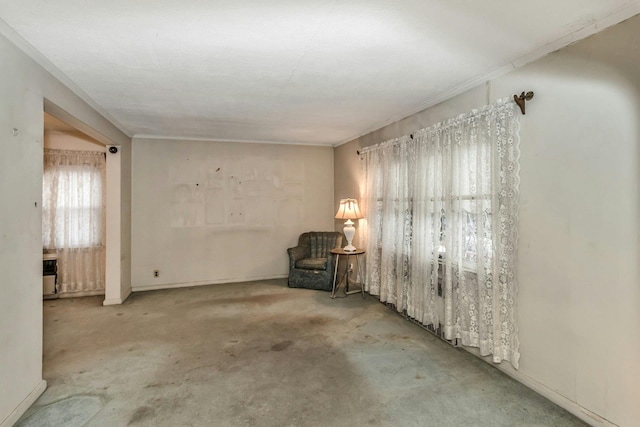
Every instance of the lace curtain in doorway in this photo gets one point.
(73, 221)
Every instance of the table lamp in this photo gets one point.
(349, 210)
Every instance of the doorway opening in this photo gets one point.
(73, 211)
(100, 268)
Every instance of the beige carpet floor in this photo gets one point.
(261, 354)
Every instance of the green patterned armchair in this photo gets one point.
(311, 264)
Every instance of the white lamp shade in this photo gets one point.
(349, 210)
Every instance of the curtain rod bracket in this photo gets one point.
(520, 100)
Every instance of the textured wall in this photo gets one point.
(23, 88)
(207, 212)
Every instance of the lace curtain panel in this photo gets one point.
(73, 218)
(441, 231)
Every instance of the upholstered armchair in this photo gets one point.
(311, 264)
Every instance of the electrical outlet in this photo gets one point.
(156, 273)
(350, 266)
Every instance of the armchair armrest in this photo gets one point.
(297, 253)
(331, 262)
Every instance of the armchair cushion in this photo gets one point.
(312, 264)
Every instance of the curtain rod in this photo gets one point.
(520, 100)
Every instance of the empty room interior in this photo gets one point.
(303, 213)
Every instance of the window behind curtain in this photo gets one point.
(468, 203)
(73, 199)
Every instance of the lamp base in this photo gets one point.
(349, 232)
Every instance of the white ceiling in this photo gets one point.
(299, 71)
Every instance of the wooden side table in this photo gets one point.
(337, 253)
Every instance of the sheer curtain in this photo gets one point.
(442, 227)
(73, 218)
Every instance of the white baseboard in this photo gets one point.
(15, 415)
(564, 402)
(142, 288)
(117, 301)
(583, 413)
